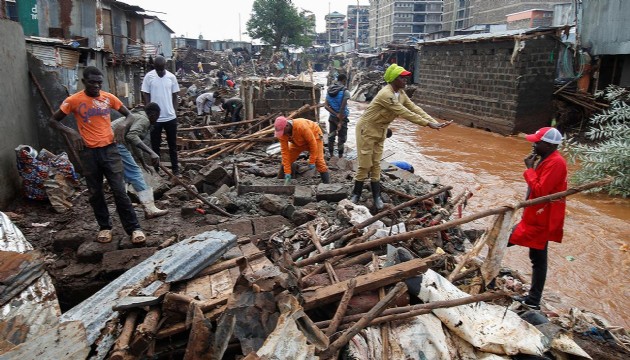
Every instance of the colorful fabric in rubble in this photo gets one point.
(36, 169)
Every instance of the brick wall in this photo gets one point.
(475, 84)
(284, 97)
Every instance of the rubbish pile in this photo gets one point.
(366, 84)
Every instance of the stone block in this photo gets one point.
(177, 192)
(331, 192)
(302, 216)
(267, 224)
(72, 239)
(241, 227)
(276, 205)
(92, 251)
(302, 195)
(211, 174)
(117, 262)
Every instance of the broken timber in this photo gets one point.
(266, 189)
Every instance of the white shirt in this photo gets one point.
(161, 90)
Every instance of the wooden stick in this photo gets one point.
(309, 248)
(388, 315)
(122, 343)
(315, 239)
(194, 193)
(447, 225)
(341, 309)
(229, 141)
(145, 334)
(398, 290)
(385, 326)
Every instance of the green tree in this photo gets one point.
(278, 23)
(610, 152)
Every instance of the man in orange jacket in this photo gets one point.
(296, 136)
(541, 223)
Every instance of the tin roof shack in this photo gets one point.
(502, 82)
(158, 35)
(603, 28)
(265, 96)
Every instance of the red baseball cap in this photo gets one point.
(546, 134)
(405, 73)
(279, 125)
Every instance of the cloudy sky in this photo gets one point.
(219, 19)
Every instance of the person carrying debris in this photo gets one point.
(160, 86)
(232, 107)
(134, 135)
(336, 101)
(206, 101)
(544, 222)
(296, 136)
(98, 152)
(390, 102)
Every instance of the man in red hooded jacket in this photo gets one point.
(541, 223)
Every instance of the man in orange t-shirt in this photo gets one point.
(98, 152)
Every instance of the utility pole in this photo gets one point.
(240, 33)
(356, 43)
(329, 28)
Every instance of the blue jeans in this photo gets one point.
(106, 161)
(170, 127)
(131, 171)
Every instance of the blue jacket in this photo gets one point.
(334, 97)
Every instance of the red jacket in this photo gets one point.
(544, 222)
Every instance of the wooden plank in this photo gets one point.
(267, 189)
(387, 276)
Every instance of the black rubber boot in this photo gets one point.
(356, 192)
(340, 151)
(376, 195)
(325, 177)
(331, 148)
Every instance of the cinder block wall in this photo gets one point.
(476, 84)
(284, 97)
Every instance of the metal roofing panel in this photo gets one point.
(485, 36)
(35, 309)
(69, 58)
(64, 341)
(45, 53)
(177, 262)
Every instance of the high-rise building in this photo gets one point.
(358, 15)
(399, 20)
(476, 12)
(336, 27)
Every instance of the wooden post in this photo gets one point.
(122, 343)
(341, 309)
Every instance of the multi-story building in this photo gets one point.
(474, 12)
(335, 27)
(358, 19)
(399, 20)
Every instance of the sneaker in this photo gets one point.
(525, 301)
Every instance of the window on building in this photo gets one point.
(11, 10)
(419, 18)
(419, 7)
(418, 29)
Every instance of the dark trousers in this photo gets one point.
(539, 274)
(337, 129)
(236, 113)
(106, 161)
(171, 138)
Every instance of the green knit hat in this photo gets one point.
(394, 71)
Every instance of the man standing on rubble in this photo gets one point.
(160, 86)
(336, 104)
(390, 102)
(546, 174)
(134, 135)
(205, 102)
(98, 151)
(296, 136)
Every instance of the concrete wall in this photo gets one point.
(283, 97)
(16, 121)
(476, 84)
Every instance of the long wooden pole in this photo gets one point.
(309, 248)
(447, 225)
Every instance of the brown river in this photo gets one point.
(588, 270)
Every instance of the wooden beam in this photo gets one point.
(266, 189)
(387, 276)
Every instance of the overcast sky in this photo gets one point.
(218, 19)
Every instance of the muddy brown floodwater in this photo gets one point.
(587, 270)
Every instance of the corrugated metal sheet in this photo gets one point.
(44, 53)
(486, 36)
(604, 27)
(178, 262)
(64, 341)
(34, 310)
(69, 58)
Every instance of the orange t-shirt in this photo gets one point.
(92, 116)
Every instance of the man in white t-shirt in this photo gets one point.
(160, 86)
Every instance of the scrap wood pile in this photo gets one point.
(584, 100)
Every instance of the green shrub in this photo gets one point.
(609, 154)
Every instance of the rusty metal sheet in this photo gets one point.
(33, 310)
(177, 262)
(17, 272)
(45, 53)
(64, 341)
(69, 58)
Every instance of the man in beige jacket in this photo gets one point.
(390, 102)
